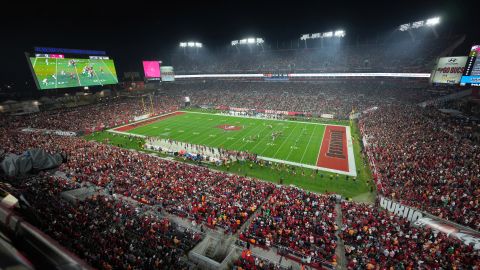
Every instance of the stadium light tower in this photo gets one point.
(433, 21)
(190, 44)
(420, 24)
(339, 33)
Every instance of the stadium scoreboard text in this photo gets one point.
(449, 70)
(471, 75)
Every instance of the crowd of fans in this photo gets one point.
(97, 116)
(415, 149)
(411, 148)
(377, 239)
(338, 98)
(402, 55)
(302, 223)
(107, 232)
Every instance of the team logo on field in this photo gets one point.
(229, 127)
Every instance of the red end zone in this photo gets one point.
(333, 152)
(146, 122)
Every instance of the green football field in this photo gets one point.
(54, 73)
(297, 142)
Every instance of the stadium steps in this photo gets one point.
(252, 216)
(340, 250)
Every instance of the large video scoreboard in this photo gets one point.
(63, 68)
(471, 75)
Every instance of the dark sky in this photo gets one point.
(142, 30)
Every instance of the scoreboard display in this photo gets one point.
(471, 75)
(55, 70)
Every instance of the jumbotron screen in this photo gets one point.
(53, 71)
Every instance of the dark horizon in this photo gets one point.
(143, 32)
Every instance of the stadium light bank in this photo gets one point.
(248, 41)
(191, 44)
(419, 24)
(329, 34)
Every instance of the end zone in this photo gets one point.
(336, 151)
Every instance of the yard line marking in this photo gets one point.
(56, 72)
(306, 148)
(251, 149)
(249, 117)
(111, 73)
(94, 72)
(262, 139)
(280, 147)
(34, 62)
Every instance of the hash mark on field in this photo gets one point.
(181, 131)
(293, 147)
(212, 135)
(271, 144)
(196, 133)
(167, 129)
(230, 138)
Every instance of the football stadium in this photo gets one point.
(266, 142)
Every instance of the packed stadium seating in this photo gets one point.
(412, 148)
(377, 239)
(402, 55)
(301, 222)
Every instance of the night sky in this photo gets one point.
(141, 30)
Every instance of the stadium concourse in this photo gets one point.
(148, 213)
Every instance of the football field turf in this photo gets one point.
(297, 143)
(59, 74)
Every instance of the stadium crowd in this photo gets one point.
(413, 149)
(399, 55)
(97, 116)
(338, 98)
(377, 239)
(107, 232)
(301, 222)
(409, 149)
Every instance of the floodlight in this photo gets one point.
(260, 41)
(404, 27)
(183, 44)
(328, 34)
(243, 41)
(198, 44)
(418, 24)
(250, 40)
(191, 44)
(304, 37)
(433, 21)
(234, 42)
(339, 33)
(316, 35)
